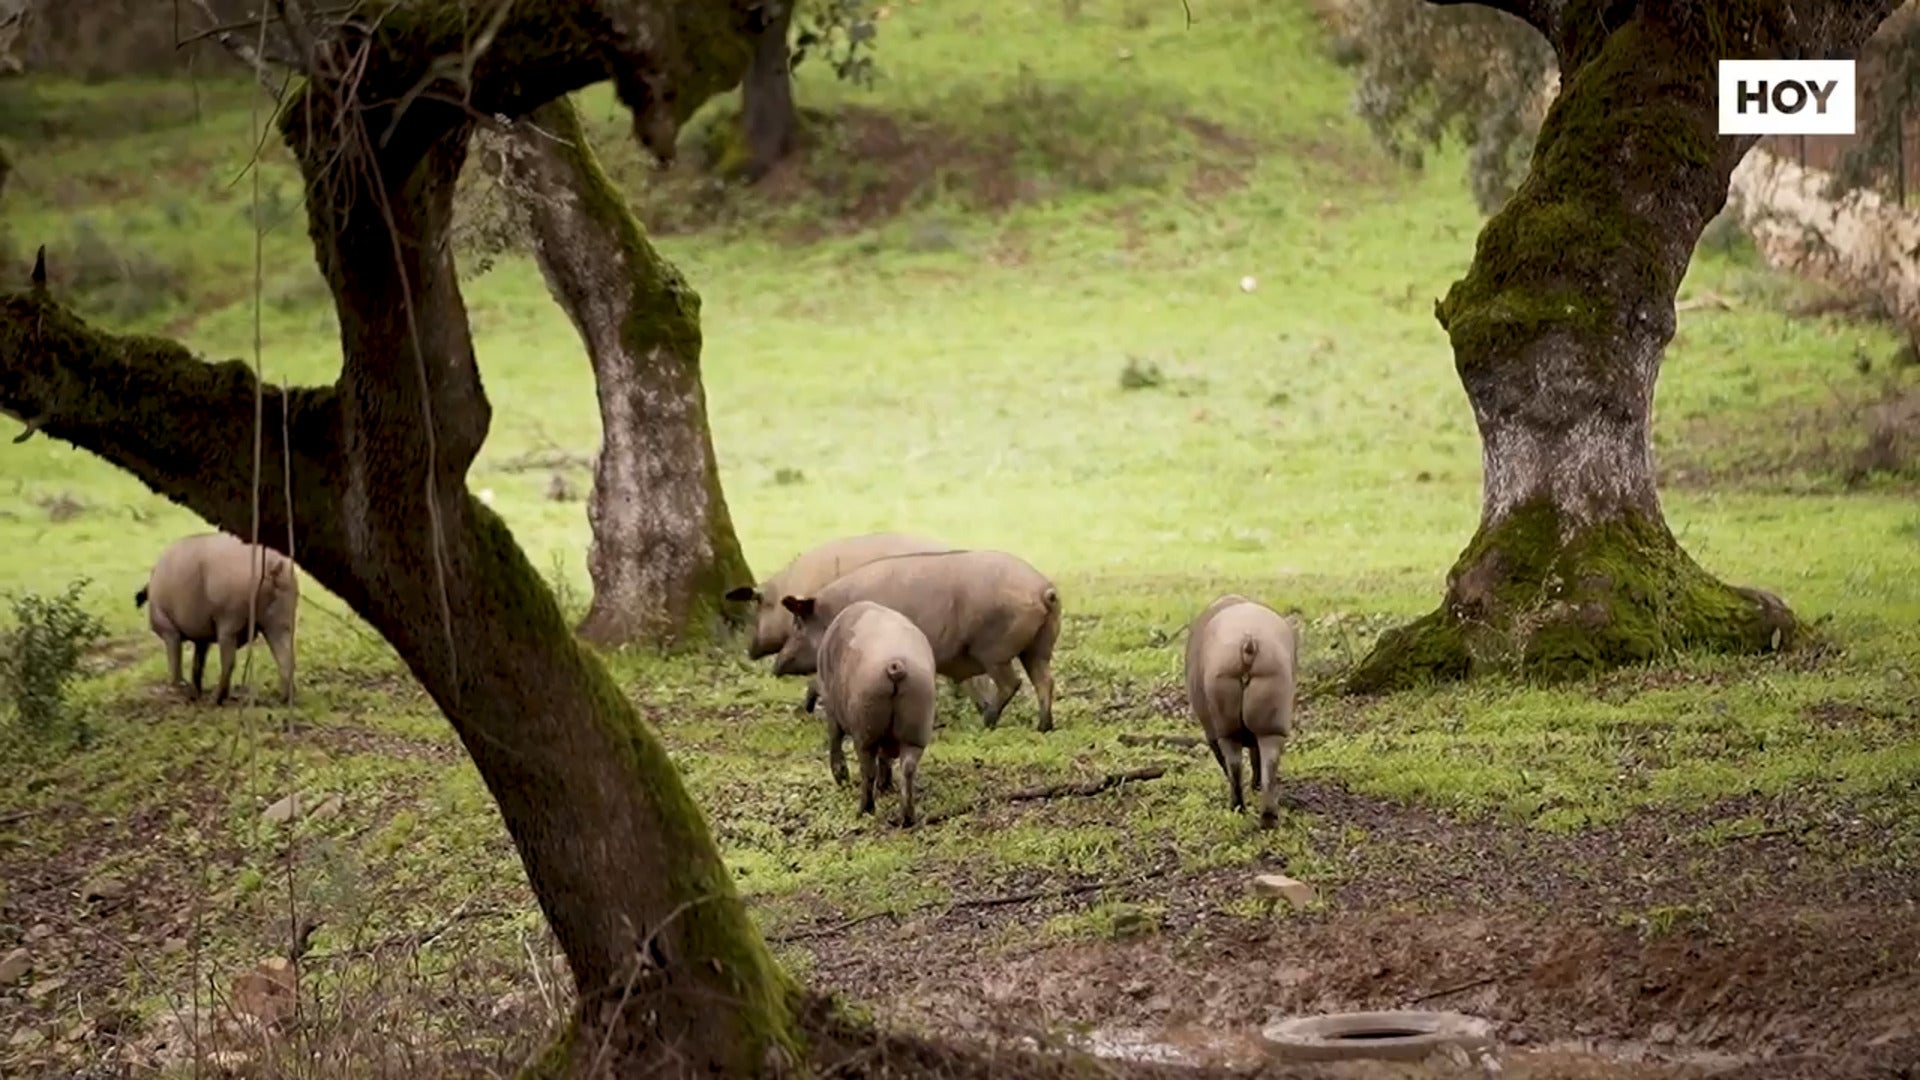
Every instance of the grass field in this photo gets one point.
(932, 331)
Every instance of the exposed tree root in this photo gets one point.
(1524, 601)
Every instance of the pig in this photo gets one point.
(809, 572)
(1240, 667)
(877, 683)
(199, 591)
(980, 611)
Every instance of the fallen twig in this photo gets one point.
(1029, 897)
(1085, 787)
(1176, 741)
(418, 938)
(969, 903)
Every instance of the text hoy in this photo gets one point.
(1786, 97)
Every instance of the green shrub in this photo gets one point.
(39, 658)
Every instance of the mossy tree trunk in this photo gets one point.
(664, 548)
(769, 121)
(672, 975)
(1558, 330)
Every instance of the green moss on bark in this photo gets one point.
(1526, 600)
(718, 939)
(1553, 259)
(663, 315)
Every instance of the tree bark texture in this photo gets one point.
(770, 123)
(663, 549)
(1558, 329)
(672, 974)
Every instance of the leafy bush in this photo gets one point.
(39, 659)
(842, 33)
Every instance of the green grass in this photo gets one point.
(1308, 444)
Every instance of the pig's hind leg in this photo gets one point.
(199, 669)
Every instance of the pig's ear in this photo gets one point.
(799, 605)
(742, 594)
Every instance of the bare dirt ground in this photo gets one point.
(1659, 948)
(1762, 938)
(1631, 952)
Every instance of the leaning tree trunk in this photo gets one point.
(1558, 330)
(769, 122)
(671, 973)
(663, 549)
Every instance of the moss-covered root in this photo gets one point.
(1524, 599)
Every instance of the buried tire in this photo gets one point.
(1406, 1035)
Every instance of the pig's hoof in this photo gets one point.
(1268, 819)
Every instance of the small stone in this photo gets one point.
(1664, 1033)
(329, 807)
(15, 966)
(228, 1061)
(516, 1001)
(25, 1038)
(1281, 887)
(39, 932)
(103, 888)
(1249, 283)
(174, 946)
(44, 988)
(283, 811)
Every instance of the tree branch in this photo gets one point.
(150, 407)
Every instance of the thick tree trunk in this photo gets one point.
(664, 549)
(672, 975)
(1558, 330)
(769, 122)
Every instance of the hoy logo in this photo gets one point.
(1786, 97)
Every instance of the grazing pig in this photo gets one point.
(876, 680)
(809, 572)
(200, 591)
(980, 611)
(1241, 660)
